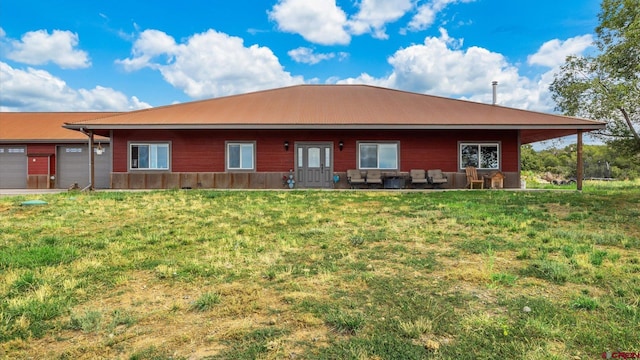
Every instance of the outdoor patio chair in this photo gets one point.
(472, 178)
(436, 178)
(354, 178)
(374, 177)
(418, 177)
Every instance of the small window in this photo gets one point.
(481, 156)
(240, 156)
(382, 156)
(150, 156)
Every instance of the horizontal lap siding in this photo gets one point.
(204, 150)
(38, 165)
(41, 164)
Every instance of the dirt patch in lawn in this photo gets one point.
(146, 313)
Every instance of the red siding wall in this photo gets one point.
(40, 157)
(204, 150)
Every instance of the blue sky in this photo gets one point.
(124, 55)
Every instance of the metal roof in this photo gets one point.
(22, 127)
(342, 107)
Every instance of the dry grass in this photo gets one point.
(320, 275)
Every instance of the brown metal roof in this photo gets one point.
(341, 107)
(43, 126)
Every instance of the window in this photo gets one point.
(241, 156)
(378, 156)
(481, 156)
(150, 156)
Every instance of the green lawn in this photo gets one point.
(322, 275)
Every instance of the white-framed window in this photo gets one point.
(241, 156)
(383, 155)
(149, 156)
(480, 155)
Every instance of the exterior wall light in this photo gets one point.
(286, 145)
(99, 149)
(340, 145)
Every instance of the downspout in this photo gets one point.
(91, 159)
(49, 172)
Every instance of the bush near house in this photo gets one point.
(322, 275)
(600, 162)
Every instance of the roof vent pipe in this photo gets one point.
(495, 91)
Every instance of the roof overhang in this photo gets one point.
(53, 141)
(528, 136)
(529, 133)
(325, 127)
(340, 107)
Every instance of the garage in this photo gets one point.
(13, 167)
(73, 166)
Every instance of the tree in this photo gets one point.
(606, 86)
(529, 160)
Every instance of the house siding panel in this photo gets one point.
(38, 165)
(39, 160)
(203, 151)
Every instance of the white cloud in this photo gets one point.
(367, 79)
(318, 21)
(324, 22)
(426, 13)
(375, 14)
(40, 47)
(440, 67)
(209, 64)
(309, 56)
(553, 53)
(38, 90)
(150, 44)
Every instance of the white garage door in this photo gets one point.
(73, 166)
(13, 167)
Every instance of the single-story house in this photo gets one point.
(316, 133)
(36, 152)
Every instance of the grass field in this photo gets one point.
(322, 275)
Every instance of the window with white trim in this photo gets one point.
(241, 156)
(154, 156)
(383, 156)
(480, 155)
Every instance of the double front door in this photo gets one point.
(314, 165)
